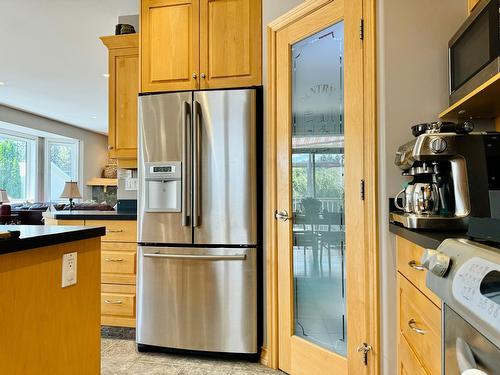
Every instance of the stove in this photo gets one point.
(466, 276)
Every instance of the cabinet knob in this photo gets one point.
(110, 147)
(203, 75)
(195, 76)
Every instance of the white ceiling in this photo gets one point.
(52, 61)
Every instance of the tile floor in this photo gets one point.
(119, 357)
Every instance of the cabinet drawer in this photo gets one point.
(116, 230)
(409, 255)
(118, 263)
(420, 325)
(408, 363)
(118, 301)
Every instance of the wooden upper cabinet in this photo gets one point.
(472, 4)
(230, 43)
(169, 45)
(123, 91)
(193, 44)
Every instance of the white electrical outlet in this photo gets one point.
(69, 269)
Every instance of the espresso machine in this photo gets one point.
(455, 175)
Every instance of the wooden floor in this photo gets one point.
(119, 356)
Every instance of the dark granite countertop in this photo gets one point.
(35, 236)
(90, 215)
(424, 238)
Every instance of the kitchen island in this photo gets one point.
(46, 328)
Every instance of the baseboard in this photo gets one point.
(263, 355)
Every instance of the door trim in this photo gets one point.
(370, 177)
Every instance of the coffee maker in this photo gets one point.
(455, 174)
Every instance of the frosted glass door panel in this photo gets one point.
(318, 189)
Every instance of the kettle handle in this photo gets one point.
(396, 200)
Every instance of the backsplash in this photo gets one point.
(109, 196)
(126, 180)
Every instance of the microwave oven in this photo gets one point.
(474, 50)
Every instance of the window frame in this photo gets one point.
(32, 190)
(47, 165)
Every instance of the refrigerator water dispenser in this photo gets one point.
(163, 187)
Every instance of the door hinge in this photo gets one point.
(364, 348)
(361, 29)
(362, 190)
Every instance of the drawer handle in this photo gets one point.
(413, 326)
(114, 230)
(109, 302)
(113, 260)
(416, 266)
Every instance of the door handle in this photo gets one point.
(196, 257)
(196, 165)
(185, 164)
(282, 215)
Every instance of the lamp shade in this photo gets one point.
(70, 190)
(4, 197)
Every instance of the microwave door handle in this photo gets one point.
(196, 164)
(186, 131)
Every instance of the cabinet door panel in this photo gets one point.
(230, 43)
(125, 89)
(169, 45)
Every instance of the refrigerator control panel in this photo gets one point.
(163, 170)
(162, 187)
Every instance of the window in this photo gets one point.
(62, 166)
(18, 166)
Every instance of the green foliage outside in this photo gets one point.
(329, 182)
(11, 154)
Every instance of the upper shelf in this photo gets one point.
(98, 181)
(483, 102)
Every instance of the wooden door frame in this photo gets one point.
(370, 178)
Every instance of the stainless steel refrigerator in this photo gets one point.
(197, 221)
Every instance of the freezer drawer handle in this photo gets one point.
(197, 257)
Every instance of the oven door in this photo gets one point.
(466, 348)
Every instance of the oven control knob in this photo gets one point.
(439, 264)
(438, 145)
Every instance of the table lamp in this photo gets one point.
(5, 209)
(70, 191)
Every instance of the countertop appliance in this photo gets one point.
(474, 50)
(466, 276)
(198, 233)
(454, 176)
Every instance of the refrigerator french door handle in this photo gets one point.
(186, 131)
(196, 164)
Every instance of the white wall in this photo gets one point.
(93, 145)
(271, 9)
(412, 88)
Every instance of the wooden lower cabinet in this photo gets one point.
(118, 268)
(118, 305)
(419, 315)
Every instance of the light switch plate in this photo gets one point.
(69, 269)
(131, 184)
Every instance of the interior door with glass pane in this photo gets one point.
(320, 162)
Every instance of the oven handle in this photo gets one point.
(465, 359)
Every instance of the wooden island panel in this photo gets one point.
(46, 328)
